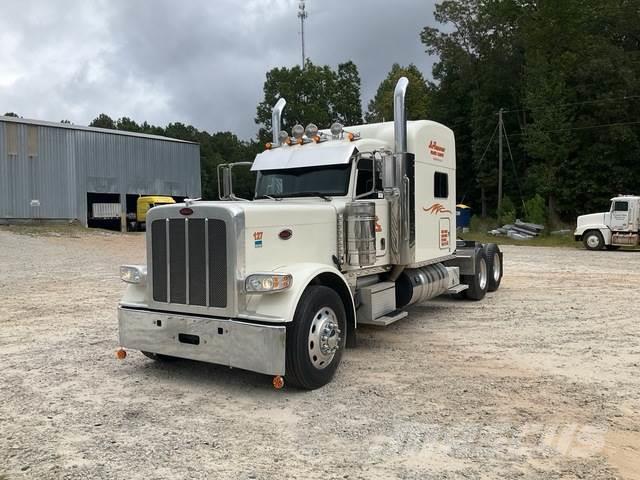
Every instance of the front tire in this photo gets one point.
(316, 338)
(479, 281)
(593, 240)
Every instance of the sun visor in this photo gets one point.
(317, 155)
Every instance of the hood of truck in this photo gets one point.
(271, 233)
(281, 233)
(593, 219)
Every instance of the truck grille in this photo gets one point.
(189, 261)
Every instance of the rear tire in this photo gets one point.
(593, 240)
(315, 338)
(478, 282)
(494, 266)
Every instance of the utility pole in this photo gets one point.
(500, 130)
(302, 15)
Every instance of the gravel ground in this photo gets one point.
(539, 380)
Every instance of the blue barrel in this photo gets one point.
(463, 216)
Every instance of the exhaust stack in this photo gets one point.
(276, 119)
(400, 116)
(401, 195)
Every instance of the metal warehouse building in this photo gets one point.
(56, 171)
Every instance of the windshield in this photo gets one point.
(300, 182)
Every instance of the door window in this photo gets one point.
(620, 206)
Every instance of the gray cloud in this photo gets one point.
(198, 62)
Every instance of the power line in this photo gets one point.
(515, 172)
(618, 124)
(586, 102)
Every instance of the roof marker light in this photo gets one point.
(283, 137)
(311, 130)
(336, 130)
(297, 131)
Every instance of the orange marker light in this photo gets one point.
(121, 354)
(350, 136)
(278, 382)
(316, 139)
(268, 146)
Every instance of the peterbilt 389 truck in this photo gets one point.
(348, 226)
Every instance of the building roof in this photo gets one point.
(70, 126)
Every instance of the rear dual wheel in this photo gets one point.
(479, 281)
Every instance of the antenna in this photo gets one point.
(302, 15)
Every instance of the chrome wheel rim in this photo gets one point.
(324, 338)
(497, 267)
(593, 241)
(482, 274)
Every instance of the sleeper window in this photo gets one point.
(440, 185)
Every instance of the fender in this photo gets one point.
(281, 306)
(603, 229)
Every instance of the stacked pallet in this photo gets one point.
(519, 230)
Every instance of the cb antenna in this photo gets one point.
(302, 15)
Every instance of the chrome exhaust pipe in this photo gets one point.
(400, 203)
(400, 116)
(276, 119)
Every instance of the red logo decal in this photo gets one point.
(436, 150)
(436, 208)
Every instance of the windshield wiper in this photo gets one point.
(277, 199)
(323, 196)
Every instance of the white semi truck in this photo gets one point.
(619, 227)
(348, 226)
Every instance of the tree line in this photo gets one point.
(566, 76)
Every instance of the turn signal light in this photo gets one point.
(268, 146)
(350, 136)
(121, 354)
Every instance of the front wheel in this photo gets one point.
(593, 240)
(316, 338)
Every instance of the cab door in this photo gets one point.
(620, 216)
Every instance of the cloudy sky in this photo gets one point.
(201, 62)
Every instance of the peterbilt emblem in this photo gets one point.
(436, 208)
(285, 234)
(186, 211)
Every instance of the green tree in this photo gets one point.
(126, 124)
(417, 101)
(103, 121)
(316, 94)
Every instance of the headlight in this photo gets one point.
(133, 273)
(267, 282)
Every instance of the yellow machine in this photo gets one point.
(144, 204)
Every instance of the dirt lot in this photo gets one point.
(539, 380)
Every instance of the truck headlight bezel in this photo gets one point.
(134, 274)
(267, 282)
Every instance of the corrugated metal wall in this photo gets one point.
(46, 172)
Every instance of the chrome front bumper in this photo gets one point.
(259, 348)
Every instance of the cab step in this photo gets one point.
(385, 319)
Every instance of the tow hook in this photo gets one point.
(121, 354)
(278, 382)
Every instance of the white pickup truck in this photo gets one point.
(619, 227)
